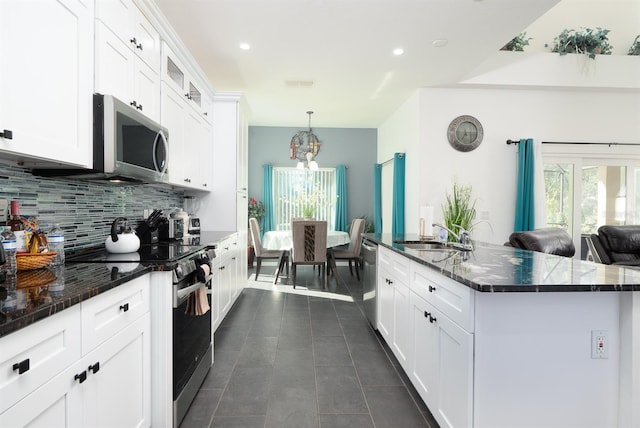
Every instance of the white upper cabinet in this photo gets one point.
(130, 25)
(127, 56)
(46, 81)
(178, 77)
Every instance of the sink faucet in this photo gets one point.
(464, 238)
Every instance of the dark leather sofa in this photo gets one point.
(550, 240)
(617, 245)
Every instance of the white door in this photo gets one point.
(423, 356)
(401, 323)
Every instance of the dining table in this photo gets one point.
(283, 240)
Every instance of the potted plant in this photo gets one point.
(635, 46)
(256, 210)
(518, 43)
(459, 210)
(586, 41)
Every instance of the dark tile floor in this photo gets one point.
(308, 359)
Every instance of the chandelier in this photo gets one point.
(298, 151)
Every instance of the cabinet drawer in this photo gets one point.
(453, 299)
(396, 265)
(106, 314)
(49, 346)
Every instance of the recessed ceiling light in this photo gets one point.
(398, 51)
(245, 46)
(438, 43)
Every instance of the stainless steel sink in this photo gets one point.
(424, 245)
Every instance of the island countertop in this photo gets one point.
(498, 268)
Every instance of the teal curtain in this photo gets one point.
(342, 218)
(377, 198)
(267, 198)
(397, 215)
(525, 209)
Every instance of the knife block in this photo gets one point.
(146, 235)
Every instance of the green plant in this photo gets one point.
(518, 43)
(635, 46)
(459, 210)
(256, 209)
(308, 210)
(585, 41)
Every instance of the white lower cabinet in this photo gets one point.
(109, 385)
(227, 278)
(441, 364)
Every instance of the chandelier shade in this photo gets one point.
(305, 153)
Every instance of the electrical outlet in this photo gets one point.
(146, 213)
(599, 344)
(3, 211)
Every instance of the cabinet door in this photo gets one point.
(385, 305)
(146, 83)
(118, 387)
(114, 66)
(401, 337)
(57, 403)
(422, 361)
(148, 41)
(454, 368)
(46, 89)
(194, 132)
(173, 118)
(118, 16)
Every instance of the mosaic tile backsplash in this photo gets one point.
(84, 209)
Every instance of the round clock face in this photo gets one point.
(465, 133)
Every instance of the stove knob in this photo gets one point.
(179, 271)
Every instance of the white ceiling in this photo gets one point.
(344, 47)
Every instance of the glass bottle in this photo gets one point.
(15, 222)
(10, 247)
(55, 238)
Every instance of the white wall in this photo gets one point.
(542, 114)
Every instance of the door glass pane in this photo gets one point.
(604, 196)
(558, 181)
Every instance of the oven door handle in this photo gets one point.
(179, 296)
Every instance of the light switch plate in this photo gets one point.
(3, 211)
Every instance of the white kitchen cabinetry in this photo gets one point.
(47, 105)
(393, 302)
(122, 73)
(108, 385)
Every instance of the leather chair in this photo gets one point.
(550, 240)
(617, 245)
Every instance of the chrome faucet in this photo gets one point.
(464, 238)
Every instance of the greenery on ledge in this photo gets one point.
(585, 41)
(635, 46)
(518, 43)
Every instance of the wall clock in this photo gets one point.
(465, 133)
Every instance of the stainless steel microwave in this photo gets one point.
(127, 146)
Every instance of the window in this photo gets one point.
(587, 190)
(295, 189)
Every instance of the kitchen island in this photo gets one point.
(503, 337)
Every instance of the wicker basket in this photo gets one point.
(28, 261)
(35, 278)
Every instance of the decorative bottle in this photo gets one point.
(14, 222)
(55, 238)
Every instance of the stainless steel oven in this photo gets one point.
(192, 344)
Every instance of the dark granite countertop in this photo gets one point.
(499, 268)
(21, 305)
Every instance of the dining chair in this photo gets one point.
(352, 252)
(309, 246)
(262, 253)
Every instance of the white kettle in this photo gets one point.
(124, 242)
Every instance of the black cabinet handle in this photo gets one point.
(133, 104)
(206, 114)
(139, 107)
(81, 377)
(432, 319)
(124, 307)
(427, 314)
(432, 289)
(22, 366)
(134, 41)
(95, 368)
(188, 96)
(6, 134)
(139, 46)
